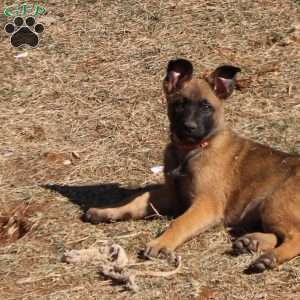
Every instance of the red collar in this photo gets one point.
(202, 145)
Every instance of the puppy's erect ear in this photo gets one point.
(222, 80)
(178, 72)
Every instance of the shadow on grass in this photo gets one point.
(101, 195)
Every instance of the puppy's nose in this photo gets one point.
(190, 125)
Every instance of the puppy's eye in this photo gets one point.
(179, 107)
(205, 105)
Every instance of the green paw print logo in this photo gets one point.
(24, 29)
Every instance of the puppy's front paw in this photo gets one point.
(157, 247)
(96, 216)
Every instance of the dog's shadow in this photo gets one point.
(101, 195)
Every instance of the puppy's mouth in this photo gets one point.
(187, 138)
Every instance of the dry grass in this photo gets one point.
(93, 89)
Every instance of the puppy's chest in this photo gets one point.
(187, 189)
(188, 177)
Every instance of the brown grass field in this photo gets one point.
(84, 114)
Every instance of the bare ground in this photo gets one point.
(83, 118)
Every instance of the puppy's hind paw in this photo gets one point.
(264, 262)
(244, 244)
(96, 216)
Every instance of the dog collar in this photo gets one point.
(202, 145)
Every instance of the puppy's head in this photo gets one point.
(195, 106)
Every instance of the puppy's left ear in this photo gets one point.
(223, 80)
(179, 71)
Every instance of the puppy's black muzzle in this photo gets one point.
(191, 120)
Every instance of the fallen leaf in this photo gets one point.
(243, 84)
(15, 224)
(207, 294)
(59, 158)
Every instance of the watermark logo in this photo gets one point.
(24, 30)
(24, 9)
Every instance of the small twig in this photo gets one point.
(155, 210)
(290, 89)
(36, 279)
(147, 262)
(126, 236)
(99, 241)
(152, 216)
(77, 241)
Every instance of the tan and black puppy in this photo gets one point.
(212, 175)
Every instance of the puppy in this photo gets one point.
(212, 175)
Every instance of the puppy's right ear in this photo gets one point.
(223, 80)
(178, 72)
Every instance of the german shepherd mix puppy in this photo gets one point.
(212, 175)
